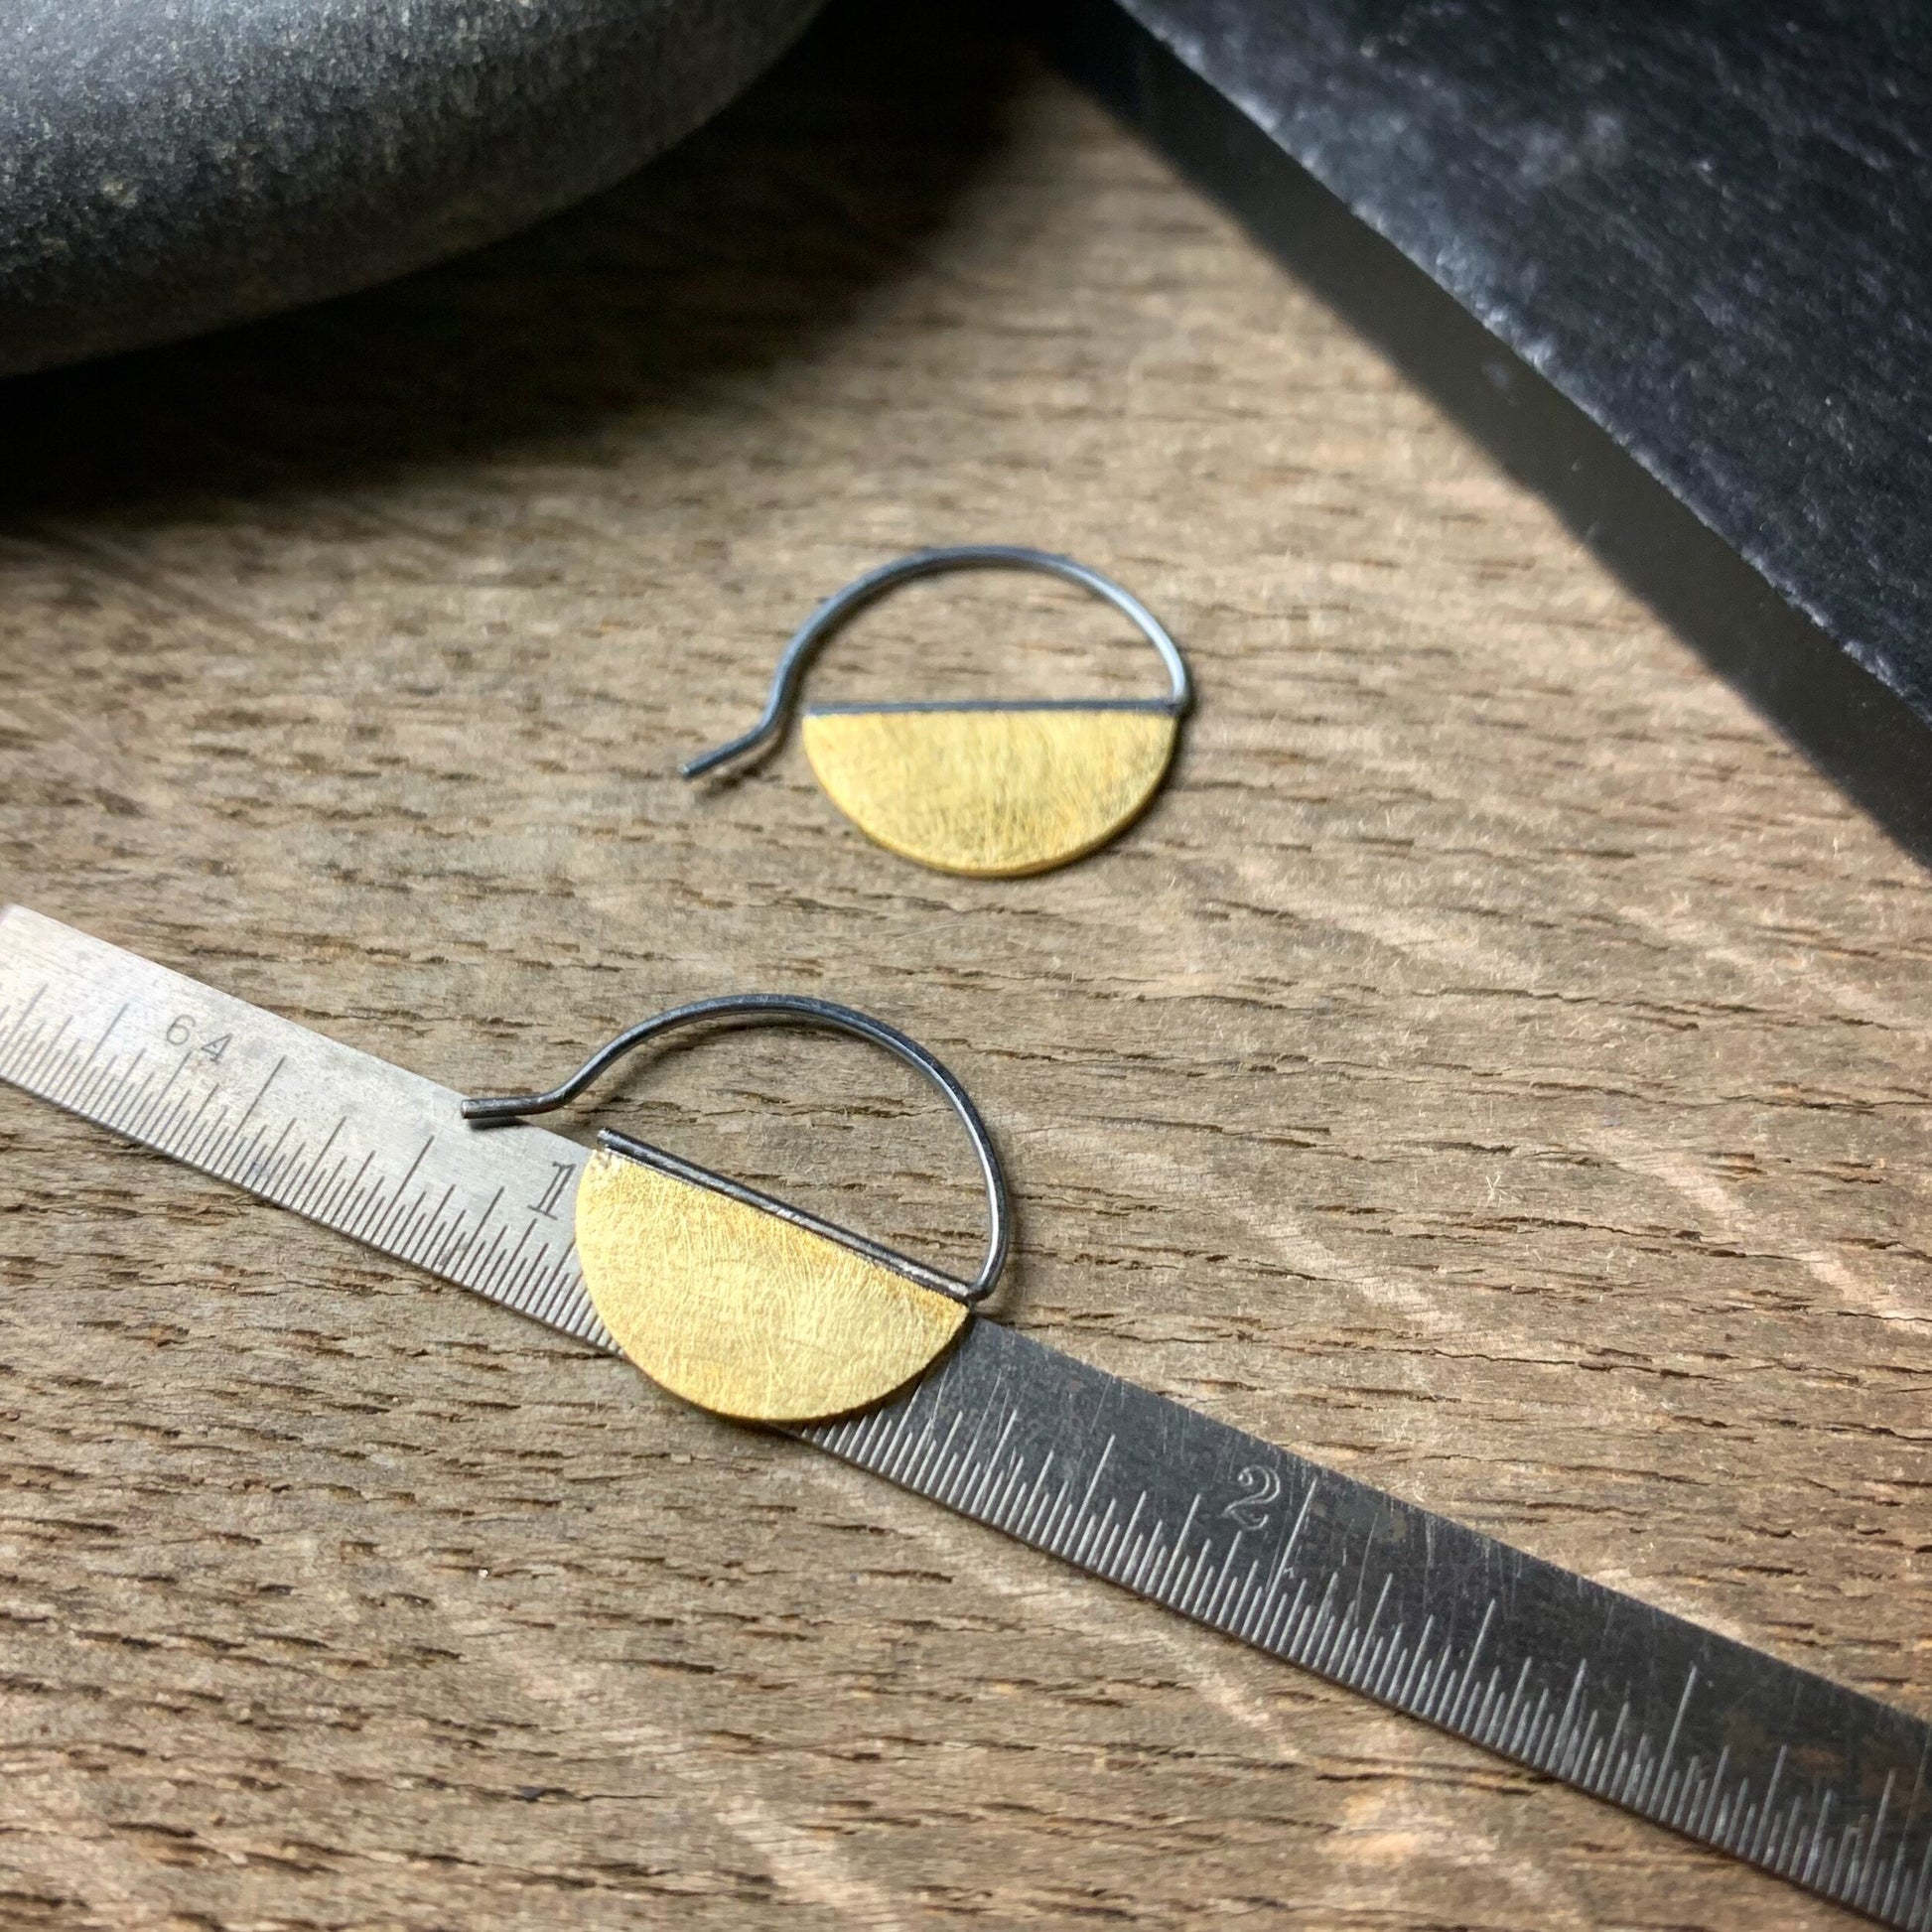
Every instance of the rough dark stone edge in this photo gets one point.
(1871, 740)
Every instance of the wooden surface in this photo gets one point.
(1497, 1066)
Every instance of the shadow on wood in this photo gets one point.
(742, 247)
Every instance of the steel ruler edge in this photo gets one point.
(1777, 1765)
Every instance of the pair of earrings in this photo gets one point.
(743, 1303)
(988, 787)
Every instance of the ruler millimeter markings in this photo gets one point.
(340, 1137)
(1773, 1764)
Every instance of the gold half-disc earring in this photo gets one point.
(742, 1304)
(995, 788)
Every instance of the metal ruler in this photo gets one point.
(1731, 1745)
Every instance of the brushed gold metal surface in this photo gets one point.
(740, 1312)
(992, 792)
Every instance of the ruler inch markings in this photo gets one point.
(1729, 1744)
(1606, 1692)
(367, 1138)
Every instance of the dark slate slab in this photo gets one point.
(1707, 225)
(166, 165)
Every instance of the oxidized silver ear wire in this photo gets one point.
(993, 788)
(740, 1303)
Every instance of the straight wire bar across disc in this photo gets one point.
(1771, 1764)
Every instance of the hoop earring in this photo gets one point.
(737, 1301)
(991, 788)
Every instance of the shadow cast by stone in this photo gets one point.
(742, 247)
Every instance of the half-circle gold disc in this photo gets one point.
(740, 1311)
(992, 791)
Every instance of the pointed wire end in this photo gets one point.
(756, 740)
(705, 761)
(501, 1110)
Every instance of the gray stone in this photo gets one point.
(168, 166)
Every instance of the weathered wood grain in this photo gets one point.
(1496, 1066)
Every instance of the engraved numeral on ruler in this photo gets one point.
(562, 1173)
(346, 1140)
(1603, 1690)
(1263, 1486)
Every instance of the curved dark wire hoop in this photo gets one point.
(794, 1009)
(836, 609)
